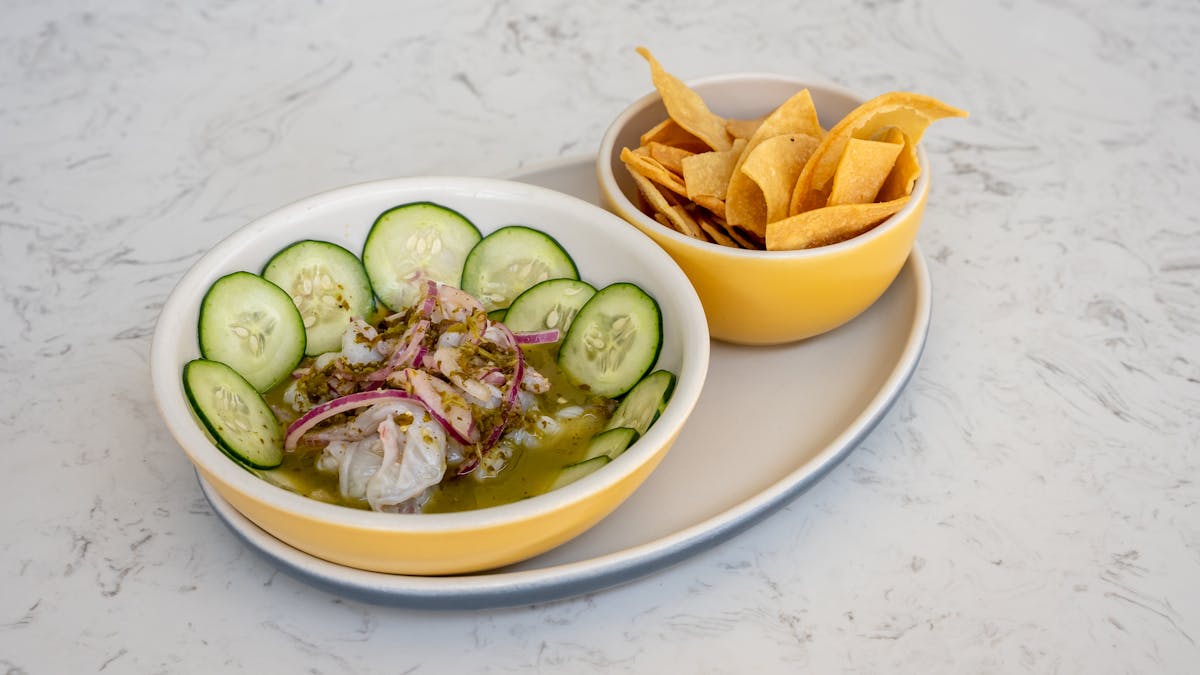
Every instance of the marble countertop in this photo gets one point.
(1029, 505)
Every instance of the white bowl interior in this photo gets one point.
(605, 248)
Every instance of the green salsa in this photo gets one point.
(528, 469)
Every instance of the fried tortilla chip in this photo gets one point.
(861, 172)
(715, 231)
(646, 166)
(714, 205)
(745, 239)
(774, 165)
(742, 128)
(779, 182)
(661, 206)
(691, 226)
(745, 205)
(670, 157)
(829, 224)
(904, 174)
(669, 133)
(686, 107)
(708, 173)
(794, 116)
(911, 113)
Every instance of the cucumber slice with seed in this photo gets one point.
(414, 242)
(510, 260)
(328, 285)
(645, 402)
(574, 472)
(252, 326)
(234, 413)
(550, 304)
(611, 443)
(614, 340)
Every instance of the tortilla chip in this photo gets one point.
(715, 205)
(911, 113)
(690, 226)
(647, 166)
(742, 128)
(708, 173)
(745, 239)
(669, 133)
(686, 107)
(829, 225)
(794, 116)
(715, 231)
(739, 236)
(661, 206)
(670, 157)
(861, 172)
(904, 174)
(745, 205)
(774, 165)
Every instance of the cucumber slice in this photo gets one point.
(328, 285)
(611, 443)
(414, 242)
(252, 326)
(574, 472)
(614, 340)
(553, 303)
(645, 402)
(234, 413)
(511, 259)
(498, 315)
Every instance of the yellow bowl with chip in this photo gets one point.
(760, 297)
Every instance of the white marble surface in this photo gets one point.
(1031, 504)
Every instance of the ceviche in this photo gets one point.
(440, 371)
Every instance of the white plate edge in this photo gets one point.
(501, 589)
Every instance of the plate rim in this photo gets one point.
(533, 586)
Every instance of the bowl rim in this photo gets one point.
(180, 420)
(606, 172)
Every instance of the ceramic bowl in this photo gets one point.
(766, 297)
(605, 248)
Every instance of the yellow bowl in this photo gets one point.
(766, 297)
(606, 250)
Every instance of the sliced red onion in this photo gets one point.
(337, 406)
(429, 299)
(455, 301)
(539, 337)
(468, 465)
(406, 353)
(506, 406)
(510, 398)
(494, 437)
(518, 378)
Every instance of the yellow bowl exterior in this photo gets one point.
(771, 298)
(484, 546)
